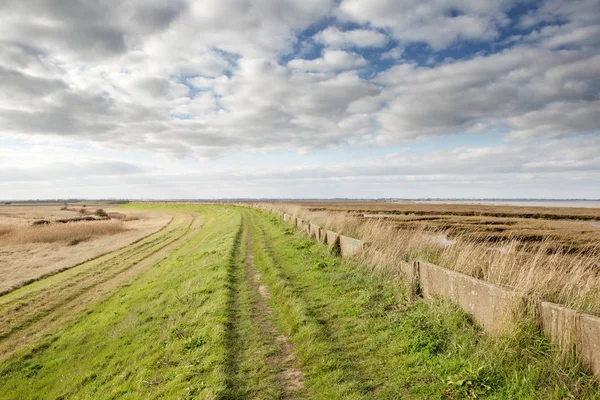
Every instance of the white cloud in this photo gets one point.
(332, 60)
(335, 38)
(511, 171)
(439, 23)
(228, 76)
(393, 54)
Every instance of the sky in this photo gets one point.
(156, 99)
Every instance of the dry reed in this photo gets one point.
(5, 230)
(71, 232)
(567, 277)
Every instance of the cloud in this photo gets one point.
(332, 60)
(83, 30)
(520, 89)
(576, 156)
(61, 171)
(253, 114)
(437, 23)
(218, 77)
(559, 119)
(521, 170)
(191, 78)
(334, 38)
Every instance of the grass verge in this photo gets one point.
(358, 337)
(545, 268)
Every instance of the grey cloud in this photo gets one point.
(505, 89)
(158, 15)
(133, 93)
(64, 170)
(16, 83)
(19, 55)
(50, 122)
(560, 119)
(87, 30)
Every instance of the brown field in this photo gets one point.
(456, 209)
(67, 236)
(72, 233)
(546, 251)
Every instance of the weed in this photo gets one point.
(194, 343)
(469, 383)
(101, 213)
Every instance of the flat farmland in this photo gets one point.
(229, 302)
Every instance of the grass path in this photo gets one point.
(246, 307)
(262, 362)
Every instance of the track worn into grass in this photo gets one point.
(247, 308)
(162, 335)
(39, 308)
(262, 362)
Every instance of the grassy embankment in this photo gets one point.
(45, 304)
(247, 307)
(561, 265)
(163, 334)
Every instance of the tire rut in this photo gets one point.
(313, 311)
(289, 376)
(48, 317)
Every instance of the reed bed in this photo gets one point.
(5, 230)
(72, 233)
(568, 276)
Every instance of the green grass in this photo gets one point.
(359, 337)
(31, 303)
(195, 326)
(250, 376)
(163, 336)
